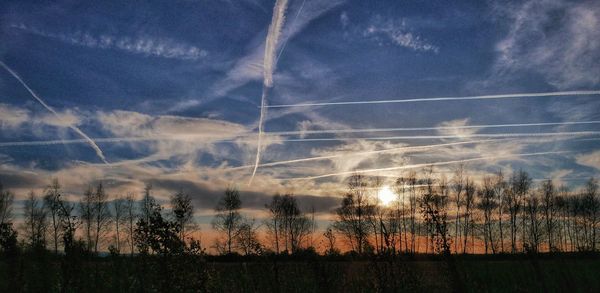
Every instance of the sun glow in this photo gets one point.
(386, 195)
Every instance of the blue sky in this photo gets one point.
(170, 91)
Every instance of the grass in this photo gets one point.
(562, 273)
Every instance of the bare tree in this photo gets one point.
(68, 223)
(549, 208)
(331, 248)
(274, 221)
(433, 206)
(519, 187)
(130, 216)
(35, 224)
(228, 218)
(6, 205)
(86, 212)
(182, 211)
(590, 205)
(52, 202)
(353, 215)
(469, 202)
(532, 211)
(412, 202)
(458, 187)
(487, 204)
(119, 209)
(247, 238)
(500, 194)
(102, 216)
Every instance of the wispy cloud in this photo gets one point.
(398, 33)
(250, 66)
(60, 119)
(12, 117)
(143, 45)
(590, 159)
(557, 39)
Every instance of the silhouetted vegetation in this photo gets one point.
(440, 234)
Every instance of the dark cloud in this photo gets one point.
(206, 197)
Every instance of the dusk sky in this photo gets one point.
(170, 93)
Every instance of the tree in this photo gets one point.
(158, 235)
(247, 238)
(8, 236)
(458, 186)
(296, 224)
(6, 205)
(129, 217)
(102, 216)
(52, 202)
(433, 206)
(86, 212)
(487, 204)
(68, 224)
(532, 211)
(35, 224)
(273, 222)
(519, 187)
(549, 208)
(590, 212)
(331, 248)
(469, 202)
(228, 218)
(119, 209)
(182, 211)
(500, 194)
(353, 214)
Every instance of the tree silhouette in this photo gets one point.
(228, 218)
(182, 210)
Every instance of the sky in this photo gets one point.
(170, 93)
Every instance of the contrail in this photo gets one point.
(430, 164)
(324, 131)
(269, 66)
(407, 148)
(291, 25)
(73, 127)
(416, 100)
(419, 137)
(196, 137)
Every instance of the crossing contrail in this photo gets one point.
(196, 137)
(324, 131)
(269, 62)
(73, 127)
(430, 164)
(424, 137)
(416, 100)
(390, 150)
(291, 25)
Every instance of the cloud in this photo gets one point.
(398, 34)
(344, 19)
(128, 123)
(143, 45)
(250, 66)
(12, 117)
(590, 160)
(557, 39)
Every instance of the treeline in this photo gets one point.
(436, 214)
(126, 225)
(431, 214)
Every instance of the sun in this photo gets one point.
(386, 195)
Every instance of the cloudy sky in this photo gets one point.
(170, 93)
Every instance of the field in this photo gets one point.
(573, 273)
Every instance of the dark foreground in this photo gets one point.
(543, 273)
